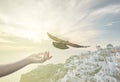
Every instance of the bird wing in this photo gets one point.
(76, 45)
(56, 39)
(60, 45)
(63, 42)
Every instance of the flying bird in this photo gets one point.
(63, 44)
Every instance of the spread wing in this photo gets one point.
(56, 39)
(76, 45)
(64, 43)
(60, 45)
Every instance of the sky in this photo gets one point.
(24, 24)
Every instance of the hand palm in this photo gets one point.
(40, 58)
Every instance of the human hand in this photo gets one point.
(40, 57)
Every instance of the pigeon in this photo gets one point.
(63, 44)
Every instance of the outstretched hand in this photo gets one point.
(40, 57)
(12, 67)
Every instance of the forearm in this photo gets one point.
(10, 68)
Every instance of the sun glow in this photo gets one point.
(31, 36)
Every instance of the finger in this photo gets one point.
(50, 57)
(48, 53)
(45, 55)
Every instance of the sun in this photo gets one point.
(31, 36)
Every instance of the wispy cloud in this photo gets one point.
(83, 19)
(111, 23)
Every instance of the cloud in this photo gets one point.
(111, 23)
(15, 43)
(68, 18)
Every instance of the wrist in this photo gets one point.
(27, 61)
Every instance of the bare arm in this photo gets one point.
(12, 67)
